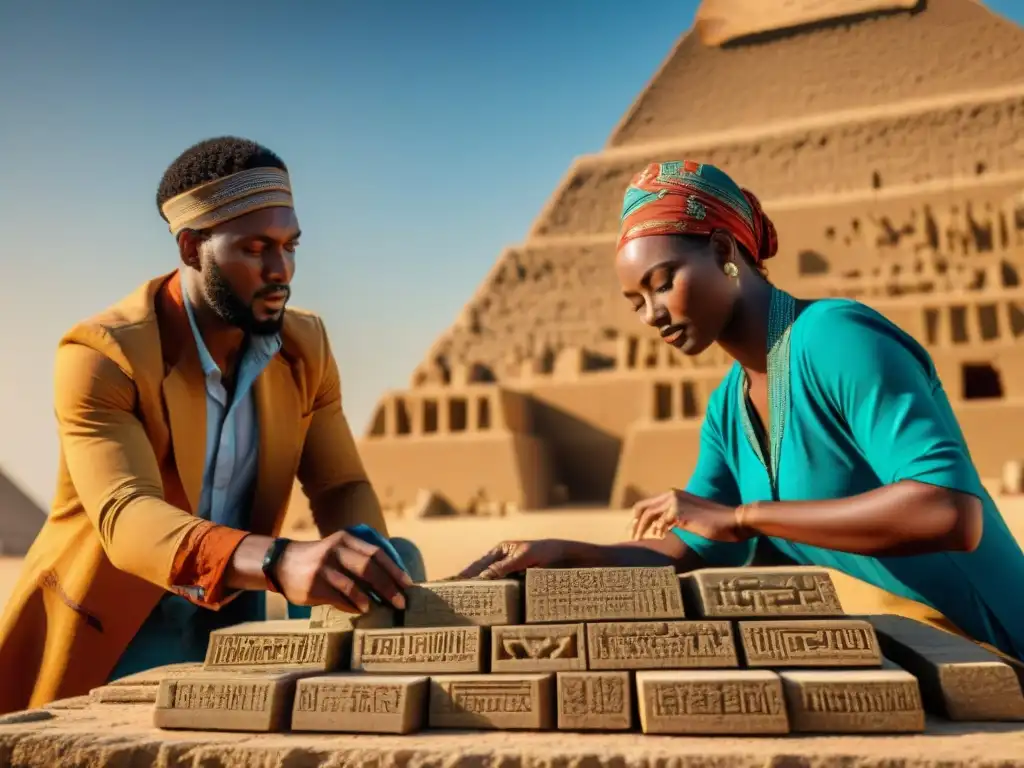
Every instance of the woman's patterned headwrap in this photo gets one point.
(688, 198)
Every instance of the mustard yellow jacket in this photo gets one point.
(131, 414)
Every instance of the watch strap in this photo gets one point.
(270, 560)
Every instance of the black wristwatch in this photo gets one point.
(274, 552)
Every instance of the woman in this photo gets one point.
(830, 442)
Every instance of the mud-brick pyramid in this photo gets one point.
(886, 140)
(720, 651)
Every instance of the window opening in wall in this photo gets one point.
(457, 414)
(690, 409)
(483, 413)
(379, 427)
(988, 321)
(429, 416)
(958, 324)
(931, 325)
(662, 402)
(981, 381)
(403, 425)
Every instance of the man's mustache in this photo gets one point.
(269, 289)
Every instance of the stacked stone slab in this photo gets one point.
(719, 651)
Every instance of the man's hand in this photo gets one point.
(654, 517)
(515, 556)
(340, 570)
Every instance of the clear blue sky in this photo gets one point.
(422, 137)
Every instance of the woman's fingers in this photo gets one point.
(477, 567)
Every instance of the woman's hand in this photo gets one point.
(654, 517)
(515, 556)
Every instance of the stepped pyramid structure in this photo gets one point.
(886, 140)
(20, 519)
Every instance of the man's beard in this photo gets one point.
(232, 310)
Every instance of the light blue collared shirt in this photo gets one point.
(232, 431)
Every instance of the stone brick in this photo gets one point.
(538, 648)
(853, 701)
(357, 703)
(463, 603)
(602, 594)
(419, 650)
(660, 645)
(742, 593)
(594, 701)
(810, 643)
(693, 702)
(503, 702)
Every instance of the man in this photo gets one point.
(185, 413)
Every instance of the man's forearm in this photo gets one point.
(245, 569)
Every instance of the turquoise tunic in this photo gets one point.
(866, 409)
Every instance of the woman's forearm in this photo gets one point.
(906, 518)
(669, 550)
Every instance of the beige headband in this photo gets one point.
(228, 198)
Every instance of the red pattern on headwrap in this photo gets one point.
(688, 198)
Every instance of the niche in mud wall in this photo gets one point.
(981, 381)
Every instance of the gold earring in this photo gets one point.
(731, 270)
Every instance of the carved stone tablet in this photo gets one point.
(959, 679)
(141, 687)
(277, 644)
(810, 643)
(329, 617)
(538, 648)
(853, 701)
(594, 701)
(602, 594)
(355, 703)
(711, 702)
(463, 603)
(503, 702)
(415, 650)
(741, 593)
(227, 701)
(660, 645)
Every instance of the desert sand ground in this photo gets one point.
(450, 544)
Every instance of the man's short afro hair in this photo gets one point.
(213, 159)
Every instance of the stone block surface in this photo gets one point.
(853, 701)
(538, 648)
(419, 650)
(660, 645)
(692, 702)
(809, 643)
(594, 701)
(959, 679)
(749, 593)
(277, 644)
(257, 701)
(556, 595)
(502, 702)
(461, 603)
(357, 703)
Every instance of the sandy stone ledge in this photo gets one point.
(121, 736)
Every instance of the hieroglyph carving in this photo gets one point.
(237, 696)
(305, 649)
(538, 648)
(753, 593)
(492, 701)
(448, 649)
(854, 701)
(600, 594)
(660, 644)
(351, 697)
(814, 643)
(711, 702)
(483, 603)
(594, 700)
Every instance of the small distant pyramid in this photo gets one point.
(722, 21)
(20, 519)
